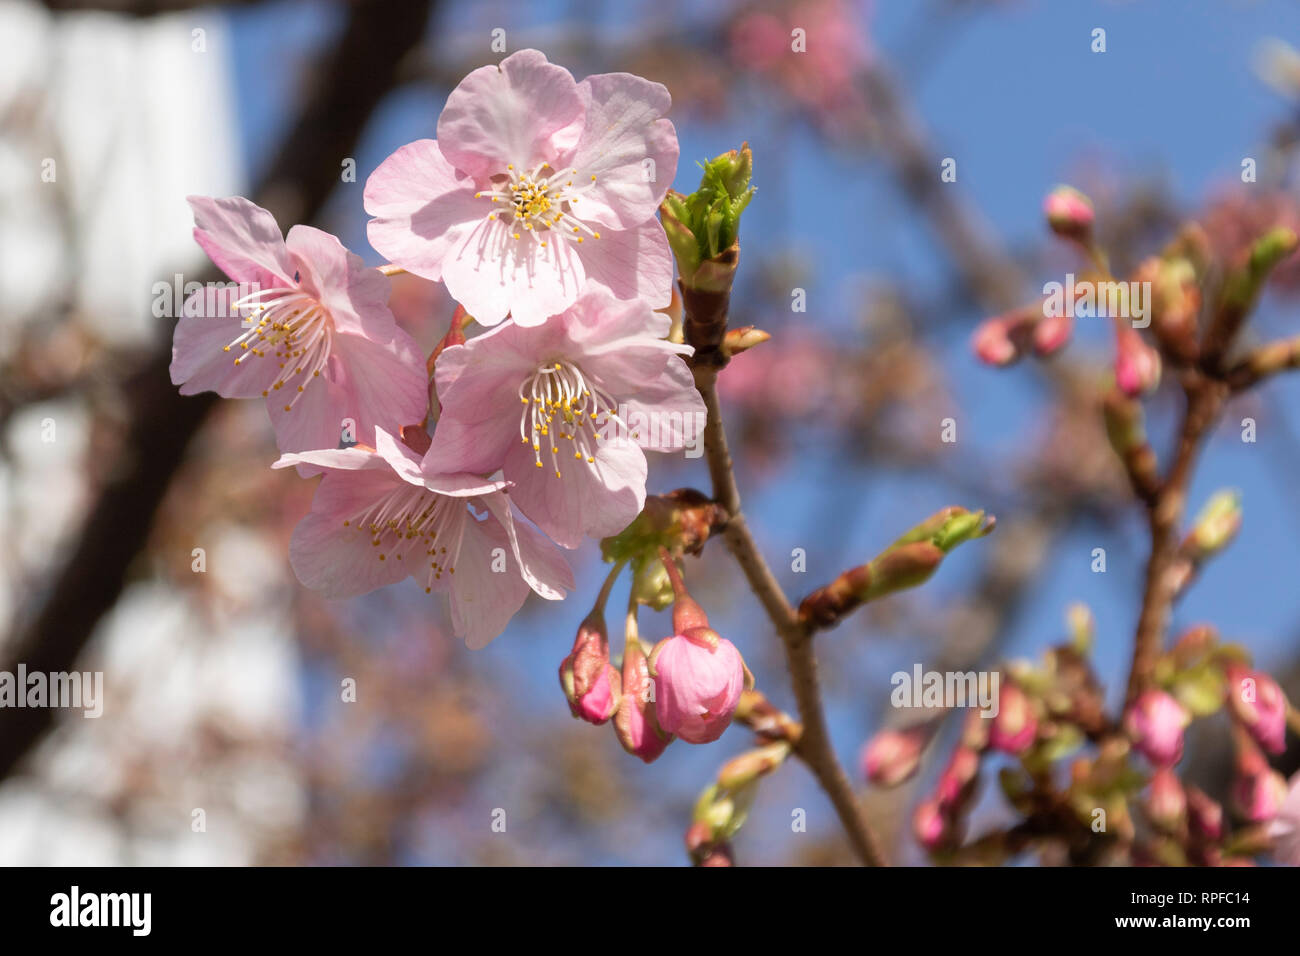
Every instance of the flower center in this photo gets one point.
(542, 203)
(292, 328)
(559, 390)
(407, 520)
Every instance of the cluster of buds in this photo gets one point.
(687, 686)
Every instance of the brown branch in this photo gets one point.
(358, 73)
(813, 747)
(1205, 398)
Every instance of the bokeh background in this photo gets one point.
(223, 687)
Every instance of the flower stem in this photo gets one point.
(603, 597)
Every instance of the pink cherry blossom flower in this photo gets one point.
(698, 680)
(564, 408)
(378, 518)
(537, 188)
(315, 337)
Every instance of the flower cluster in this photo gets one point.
(536, 208)
(1143, 809)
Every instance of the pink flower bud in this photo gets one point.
(1156, 723)
(992, 343)
(1204, 814)
(1259, 705)
(1052, 332)
(1069, 213)
(957, 782)
(1166, 802)
(1137, 365)
(1016, 725)
(931, 825)
(699, 677)
(892, 756)
(590, 683)
(1258, 796)
(635, 723)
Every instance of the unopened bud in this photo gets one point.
(932, 827)
(1156, 723)
(743, 339)
(1205, 815)
(1258, 796)
(957, 782)
(1166, 803)
(1016, 725)
(1258, 704)
(1216, 525)
(636, 723)
(1081, 627)
(740, 772)
(1069, 213)
(1137, 365)
(590, 683)
(1052, 333)
(892, 756)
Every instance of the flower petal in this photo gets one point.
(355, 296)
(242, 239)
(422, 207)
(540, 563)
(491, 274)
(523, 111)
(631, 263)
(200, 362)
(597, 499)
(483, 598)
(338, 560)
(627, 146)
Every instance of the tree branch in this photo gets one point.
(814, 746)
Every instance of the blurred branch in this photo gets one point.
(351, 81)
